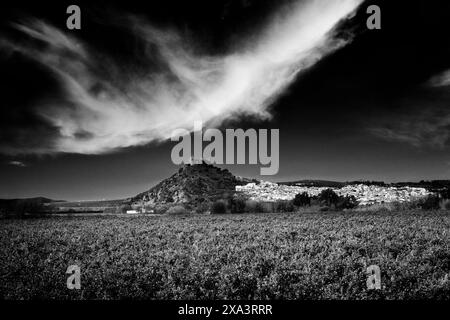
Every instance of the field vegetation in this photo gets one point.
(322, 255)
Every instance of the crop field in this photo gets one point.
(267, 256)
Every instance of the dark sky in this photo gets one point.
(376, 109)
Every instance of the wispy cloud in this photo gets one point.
(440, 80)
(17, 163)
(422, 120)
(435, 136)
(108, 107)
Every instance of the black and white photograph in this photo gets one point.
(247, 151)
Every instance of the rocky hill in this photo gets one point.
(192, 184)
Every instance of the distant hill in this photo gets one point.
(192, 184)
(36, 199)
(315, 183)
(89, 203)
(440, 186)
(26, 205)
(5, 203)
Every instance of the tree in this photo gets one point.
(218, 207)
(347, 202)
(302, 200)
(431, 202)
(329, 197)
(445, 193)
(237, 205)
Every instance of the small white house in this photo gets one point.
(140, 210)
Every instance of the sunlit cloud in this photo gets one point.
(440, 80)
(107, 107)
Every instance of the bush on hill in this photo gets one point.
(219, 207)
(237, 205)
(177, 210)
(202, 208)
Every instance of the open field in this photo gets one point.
(267, 256)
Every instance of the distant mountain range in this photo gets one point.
(431, 185)
(315, 183)
(41, 200)
(21, 206)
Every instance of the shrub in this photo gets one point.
(302, 200)
(445, 204)
(266, 207)
(161, 208)
(201, 199)
(394, 206)
(347, 202)
(149, 208)
(237, 205)
(445, 194)
(431, 202)
(177, 210)
(284, 206)
(329, 197)
(402, 205)
(252, 206)
(219, 207)
(259, 207)
(280, 206)
(290, 207)
(202, 208)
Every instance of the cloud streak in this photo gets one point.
(107, 108)
(441, 80)
(16, 163)
(422, 120)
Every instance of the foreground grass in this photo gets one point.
(271, 256)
